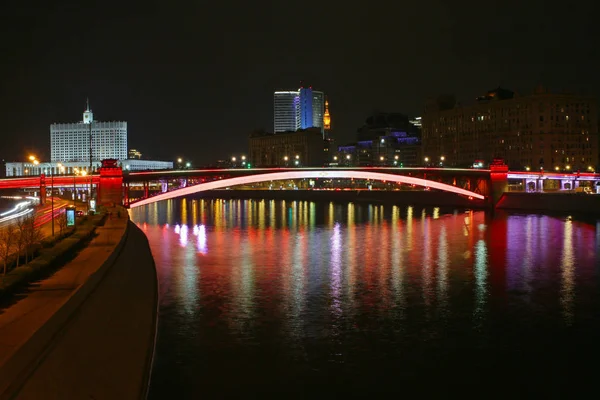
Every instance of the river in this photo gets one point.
(285, 299)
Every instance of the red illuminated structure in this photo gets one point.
(110, 183)
(499, 179)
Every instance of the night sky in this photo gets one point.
(193, 79)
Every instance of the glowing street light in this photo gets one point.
(179, 160)
(442, 158)
(568, 167)
(347, 156)
(243, 158)
(557, 168)
(426, 159)
(297, 157)
(285, 158)
(527, 168)
(381, 158)
(335, 158)
(395, 157)
(188, 165)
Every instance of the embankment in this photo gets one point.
(550, 202)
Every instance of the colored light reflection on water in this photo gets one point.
(292, 296)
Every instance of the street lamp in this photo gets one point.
(75, 172)
(59, 165)
(568, 167)
(243, 158)
(426, 160)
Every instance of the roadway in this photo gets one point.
(43, 214)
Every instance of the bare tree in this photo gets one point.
(21, 232)
(7, 238)
(62, 222)
(33, 236)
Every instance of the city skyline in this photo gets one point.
(182, 89)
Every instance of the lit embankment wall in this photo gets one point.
(559, 202)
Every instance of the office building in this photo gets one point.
(303, 148)
(300, 109)
(135, 154)
(70, 147)
(543, 130)
(386, 139)
(72, 142)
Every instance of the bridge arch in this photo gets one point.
(303, 174)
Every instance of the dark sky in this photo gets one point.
(193, 78)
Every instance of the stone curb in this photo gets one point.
(149, 364)
(16, 370)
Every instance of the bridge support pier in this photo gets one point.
(499, 181)
(126, 194)
(110, 184)
(42, 189)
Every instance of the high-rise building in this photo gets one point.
(70, 146)
(286, 111)
(550, 131)
(71, 142)
(300, 109)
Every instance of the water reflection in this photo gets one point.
(304, 285)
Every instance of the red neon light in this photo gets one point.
(276, 176)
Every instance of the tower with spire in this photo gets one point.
(326, 117)
(88, 116)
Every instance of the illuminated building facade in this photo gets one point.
(300, 109)
(70, 146)
(386, 139)
(550, 131)
(70, 142)
(302, 148)
(135, 154)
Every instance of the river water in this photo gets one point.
(285, 299)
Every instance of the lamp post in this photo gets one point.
(75, 171)
(84, 173)
(59, 165)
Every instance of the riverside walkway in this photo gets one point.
(87, 331)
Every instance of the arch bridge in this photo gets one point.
(155, 186)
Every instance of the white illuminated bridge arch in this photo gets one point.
(278, 176)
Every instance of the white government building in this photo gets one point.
(70, 147)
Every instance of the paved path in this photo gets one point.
(103, 350)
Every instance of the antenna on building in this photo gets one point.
(87, 102)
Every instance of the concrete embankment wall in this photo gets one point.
(554, 202)
(420, 198)
(104, 331)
